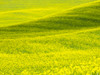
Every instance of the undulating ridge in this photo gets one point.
(83, 17)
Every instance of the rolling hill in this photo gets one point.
(67, 43)
(16, 12)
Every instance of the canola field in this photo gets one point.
(67, 43)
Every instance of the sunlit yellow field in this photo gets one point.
(66, 43)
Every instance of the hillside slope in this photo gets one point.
(9, 18)
(20, 11)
